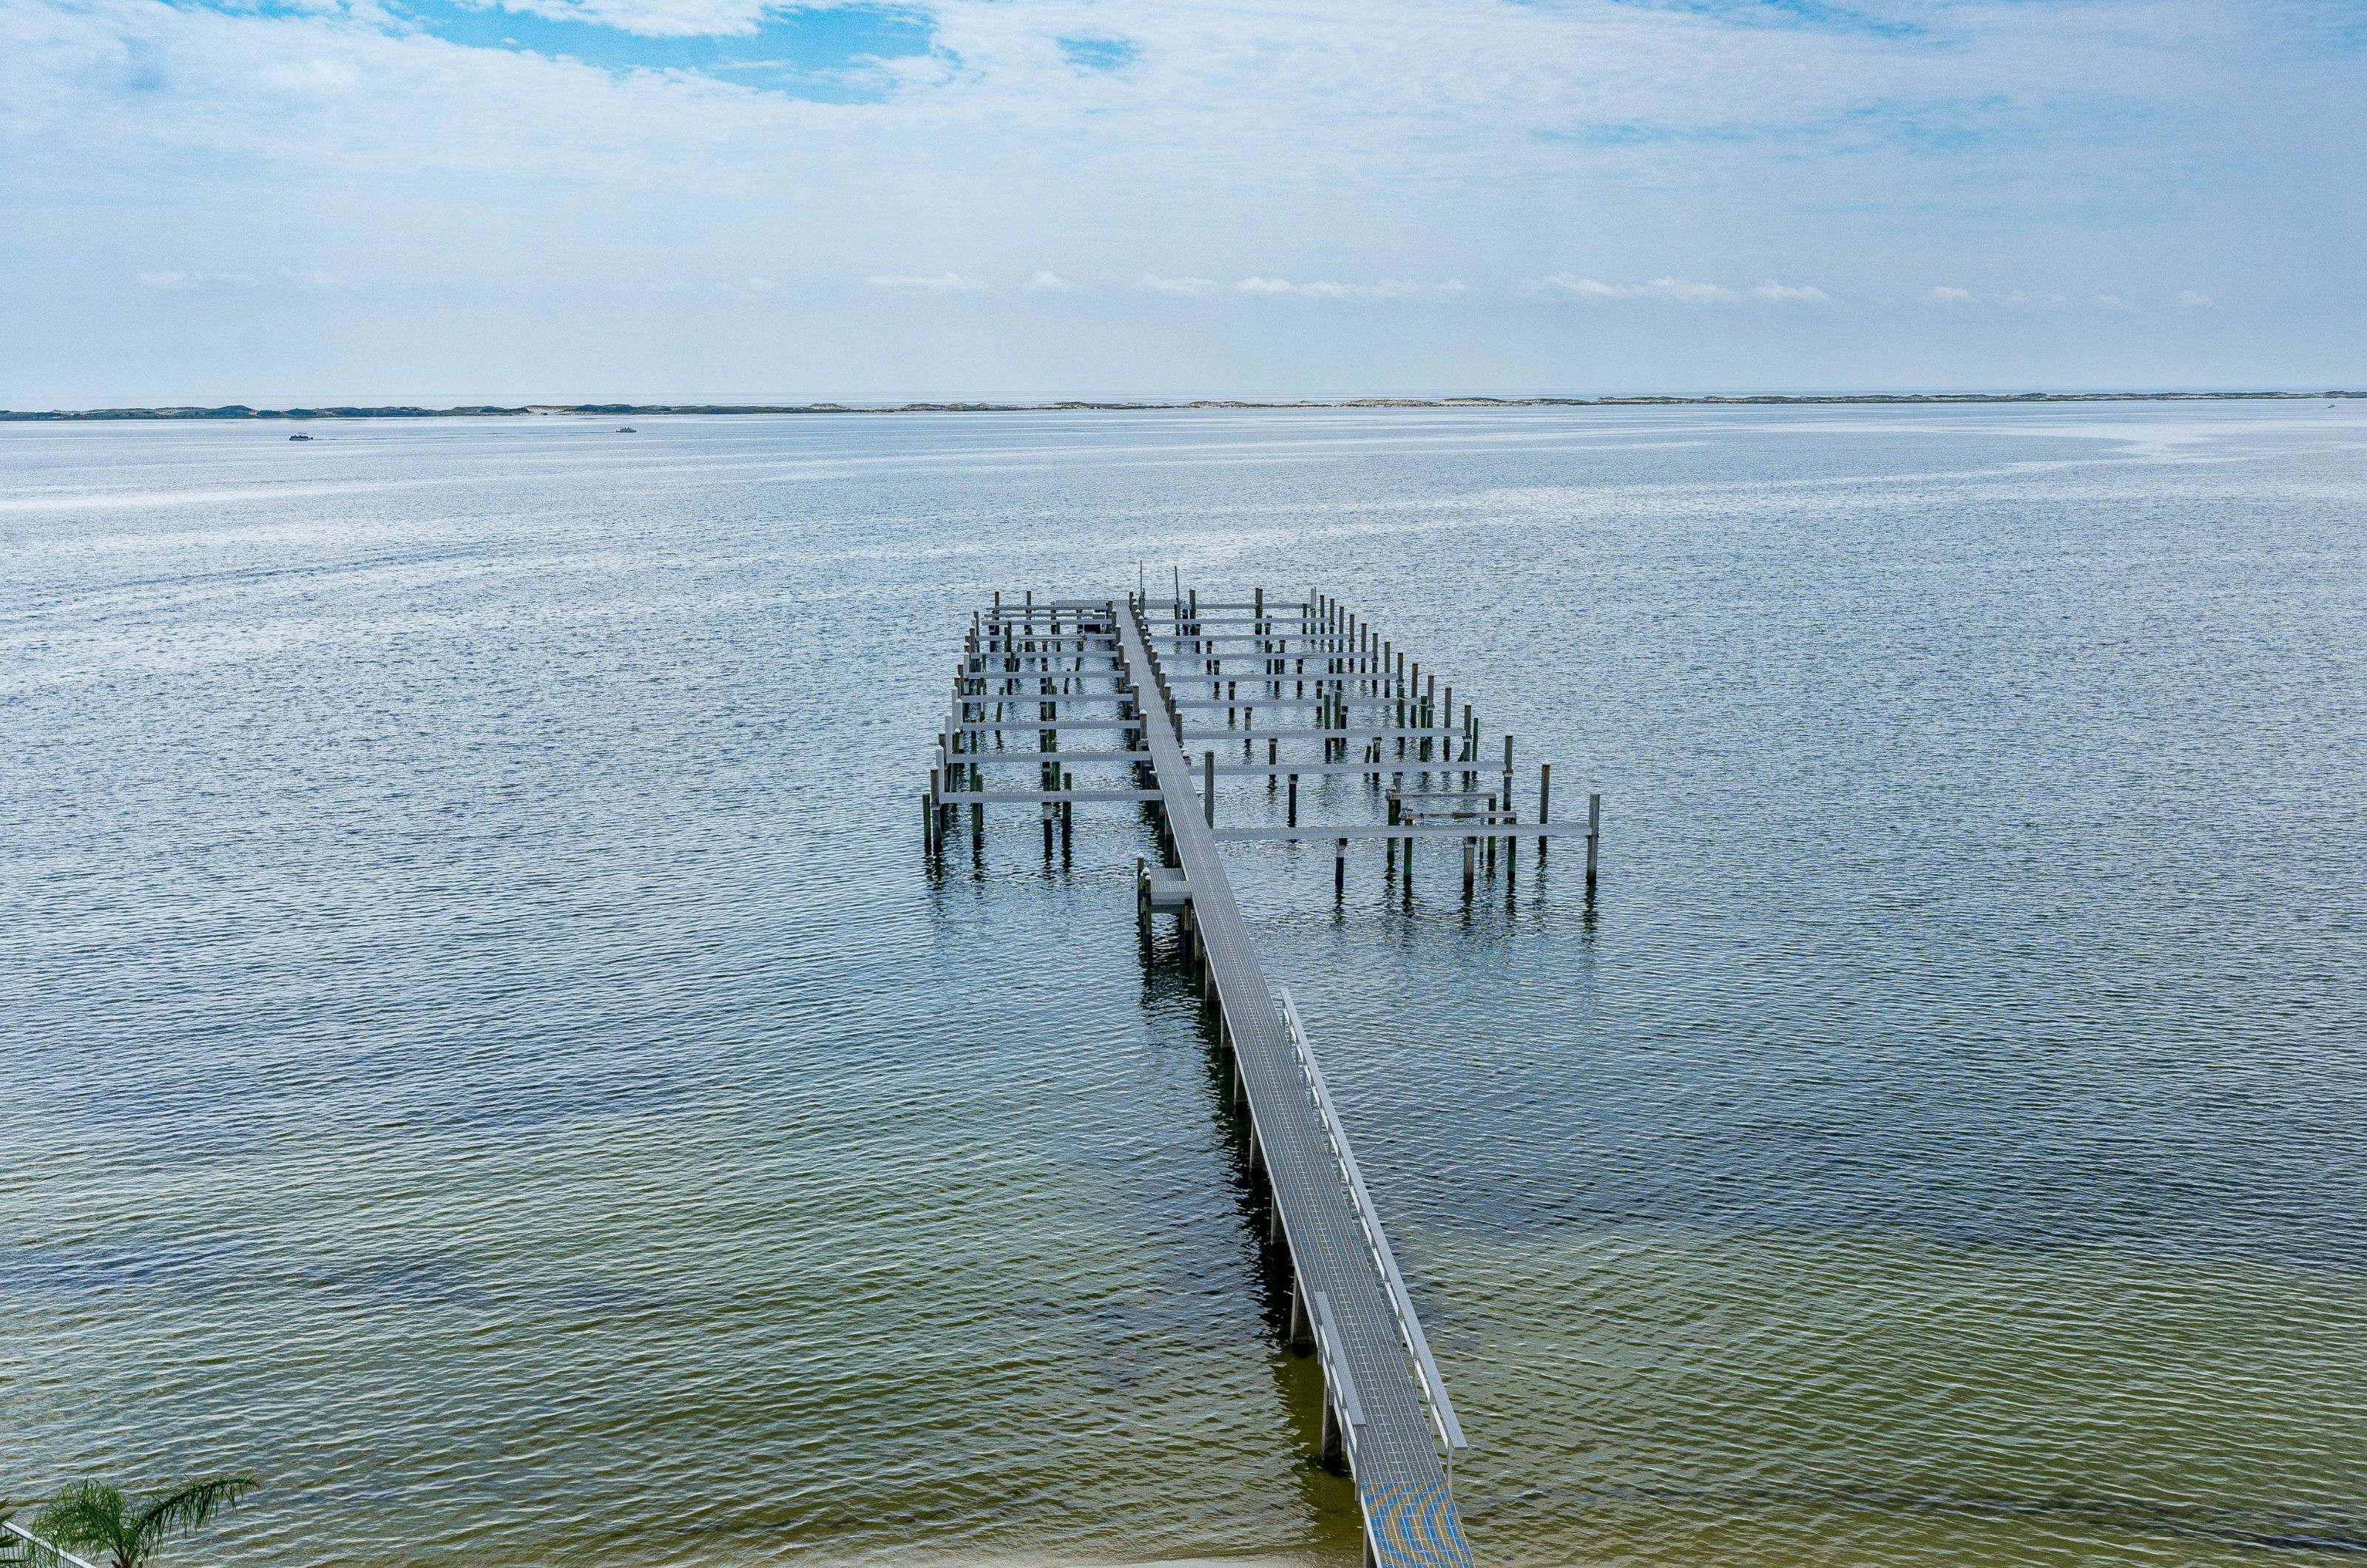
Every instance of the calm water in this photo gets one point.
(484, 1050)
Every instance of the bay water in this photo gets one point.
(484, 1050)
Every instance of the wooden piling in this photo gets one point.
(1594, 833)
(1509, 813)
(1545, 806)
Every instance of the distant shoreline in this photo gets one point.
(1780, 400)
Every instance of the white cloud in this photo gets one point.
(2190, 300)
(1390, 137)
(1388, 288)
(762, 285)
(943, 283)
(1673, 289)
(649, 19)
(2114, 302)
(2018, 299)
(1576, 287)
(1792, 294)
(1049, 283)
(181, 281)
(1688, 293)
(1180, 288)
(314, 280)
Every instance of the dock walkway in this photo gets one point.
(1376, 1407)
(1034, 669)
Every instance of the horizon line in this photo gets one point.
(1147, 405)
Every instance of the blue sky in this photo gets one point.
(366, 200)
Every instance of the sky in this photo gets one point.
(361, 201)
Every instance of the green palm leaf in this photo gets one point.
(187, 1508)
(91, 1515)
(87, 1514)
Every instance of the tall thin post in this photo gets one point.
(1339, 870)
(1208, 789)
(1512, 814)
(1594, 833)
(1545, 806)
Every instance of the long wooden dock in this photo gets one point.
(1388, 1416)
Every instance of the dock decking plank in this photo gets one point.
(1400, 1479)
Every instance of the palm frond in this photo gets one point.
(85, 1514)
(185, 1508)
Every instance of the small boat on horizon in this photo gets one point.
(627, 430)
(300, 435)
